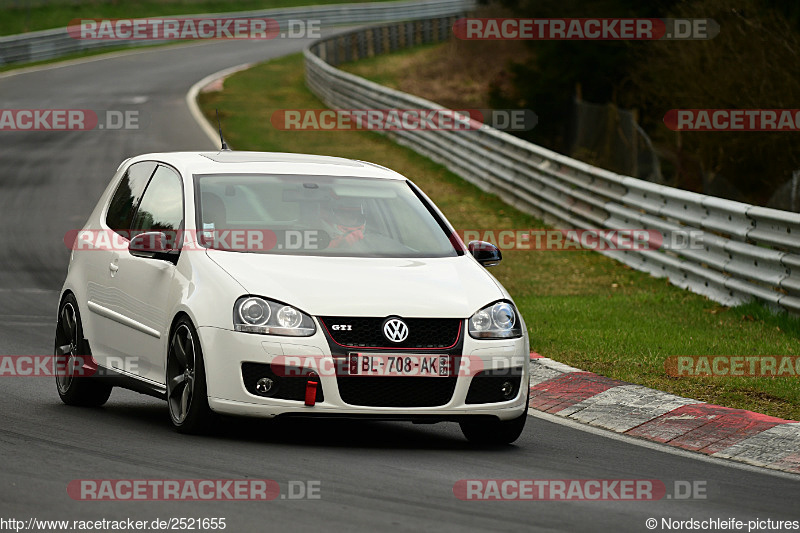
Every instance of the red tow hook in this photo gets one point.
(311, 389)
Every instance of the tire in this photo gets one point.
(494, 432)
(70, 351)
(187, 395)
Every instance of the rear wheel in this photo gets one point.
(493, 432)
(186, 380)
(71, 353)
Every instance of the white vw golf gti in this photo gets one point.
(286, 285)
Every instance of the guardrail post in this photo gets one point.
(393, 41)
(362, 46)
(378, 33)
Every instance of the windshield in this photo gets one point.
(316, 215)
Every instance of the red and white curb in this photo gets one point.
(637, 411)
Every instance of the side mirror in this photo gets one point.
(486, 253)
(152, 245)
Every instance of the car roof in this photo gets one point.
(228, 161)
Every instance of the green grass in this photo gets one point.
(581, 308)
(383, 69)
(17, 17)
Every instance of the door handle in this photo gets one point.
(112, 267)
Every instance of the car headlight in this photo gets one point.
(495, 321)
(253, 314)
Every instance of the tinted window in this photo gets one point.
(161, 208)
(129, 192)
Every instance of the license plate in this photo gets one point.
(398, 365)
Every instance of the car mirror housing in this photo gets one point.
(486, 253)
(152, 245)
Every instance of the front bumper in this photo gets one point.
(225, 351)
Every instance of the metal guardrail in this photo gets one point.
(742, 251)
(50, 44)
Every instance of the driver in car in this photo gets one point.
(346, 220)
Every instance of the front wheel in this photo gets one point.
(71, 361)
(494, 432)
(186, 380)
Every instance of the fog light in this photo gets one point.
(507, 390)
(264, 385)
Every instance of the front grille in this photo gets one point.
(487, 387)
(367, 332)
(284, 387)
(396, 391)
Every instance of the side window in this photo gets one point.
(127, 196)
(161, 208)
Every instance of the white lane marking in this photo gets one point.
(194, 109)
(191, 97)
(134, 99)
(660, 447)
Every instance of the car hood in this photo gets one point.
(348, 286)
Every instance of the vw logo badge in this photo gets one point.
(395, 330)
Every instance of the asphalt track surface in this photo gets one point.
(373, 475)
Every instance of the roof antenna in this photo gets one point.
(222, 139)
